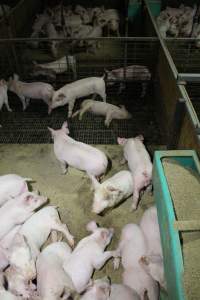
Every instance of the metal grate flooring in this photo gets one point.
(31, 126)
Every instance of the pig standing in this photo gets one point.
(12, 185)
(30, 90)
(139, 163)
(89, 255)
(52, 281)
(112, 191)
(38, 227)
(18, 210)
(4, 95)
(131, 73)
(108, 110)
(131, 247)
(80, 88)
(76, 154)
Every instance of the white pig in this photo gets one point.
(20, 257)
(79, 33)
(112, 191)
(131, 247)
(76, 154)
(89, 255)
(52, 34)
(4, 95)
(123, 292)
(153, 265)
(130, 73)
(18, 210)
(113, 20)
(52, 280)
(98, 289)
(139, 163)
(108, 110)
(38, 227)
(80, 10)
(12, 185)
(150, 227)
(77, 89)
(93, 45)
(30, 90)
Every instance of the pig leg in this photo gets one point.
(149, 189)
(70, 108)
(101, 259)
(108, 119)
(84, 109)
(57, 225)
(103, 95)
(63, 166)
(122, 161)
(22, 98)
(136, 196)
(7, 104)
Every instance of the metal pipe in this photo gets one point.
(188, 77)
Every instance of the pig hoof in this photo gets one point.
(116, 263)
(133, 207)
(71, 242)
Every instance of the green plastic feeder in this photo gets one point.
(173, 260)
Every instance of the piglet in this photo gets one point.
(12, 185)
(153, 265)
(131, 247)
(112, 191)
(4, 95)
(76, 154)
(98, 289)
(123, 292)
(77, 89)
(52, 281)
(150, 227)
(89, 255)
(38, 227)
(108, 110)
(30, 90)
(18, 210)
(139, 163)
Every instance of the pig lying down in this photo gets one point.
(80, 88)
(38, 227)
(108, 110)
(112, 191)
(89, 255)
(53, 282)
(4, 95)
(17, 210)
(30, 90)
(76, 154)
(98, 289)
(139, 163)
(131, 247)
(12, 185)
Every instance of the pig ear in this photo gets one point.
(121, 141)
(61, 96)
(144, 260)
(51, 130)
(91, 226)
(65, 125)
(112, 189)
(140, 137)
(104, 234)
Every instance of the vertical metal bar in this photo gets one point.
(176, 124)
(10, 35)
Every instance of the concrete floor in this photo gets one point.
(71, 192)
